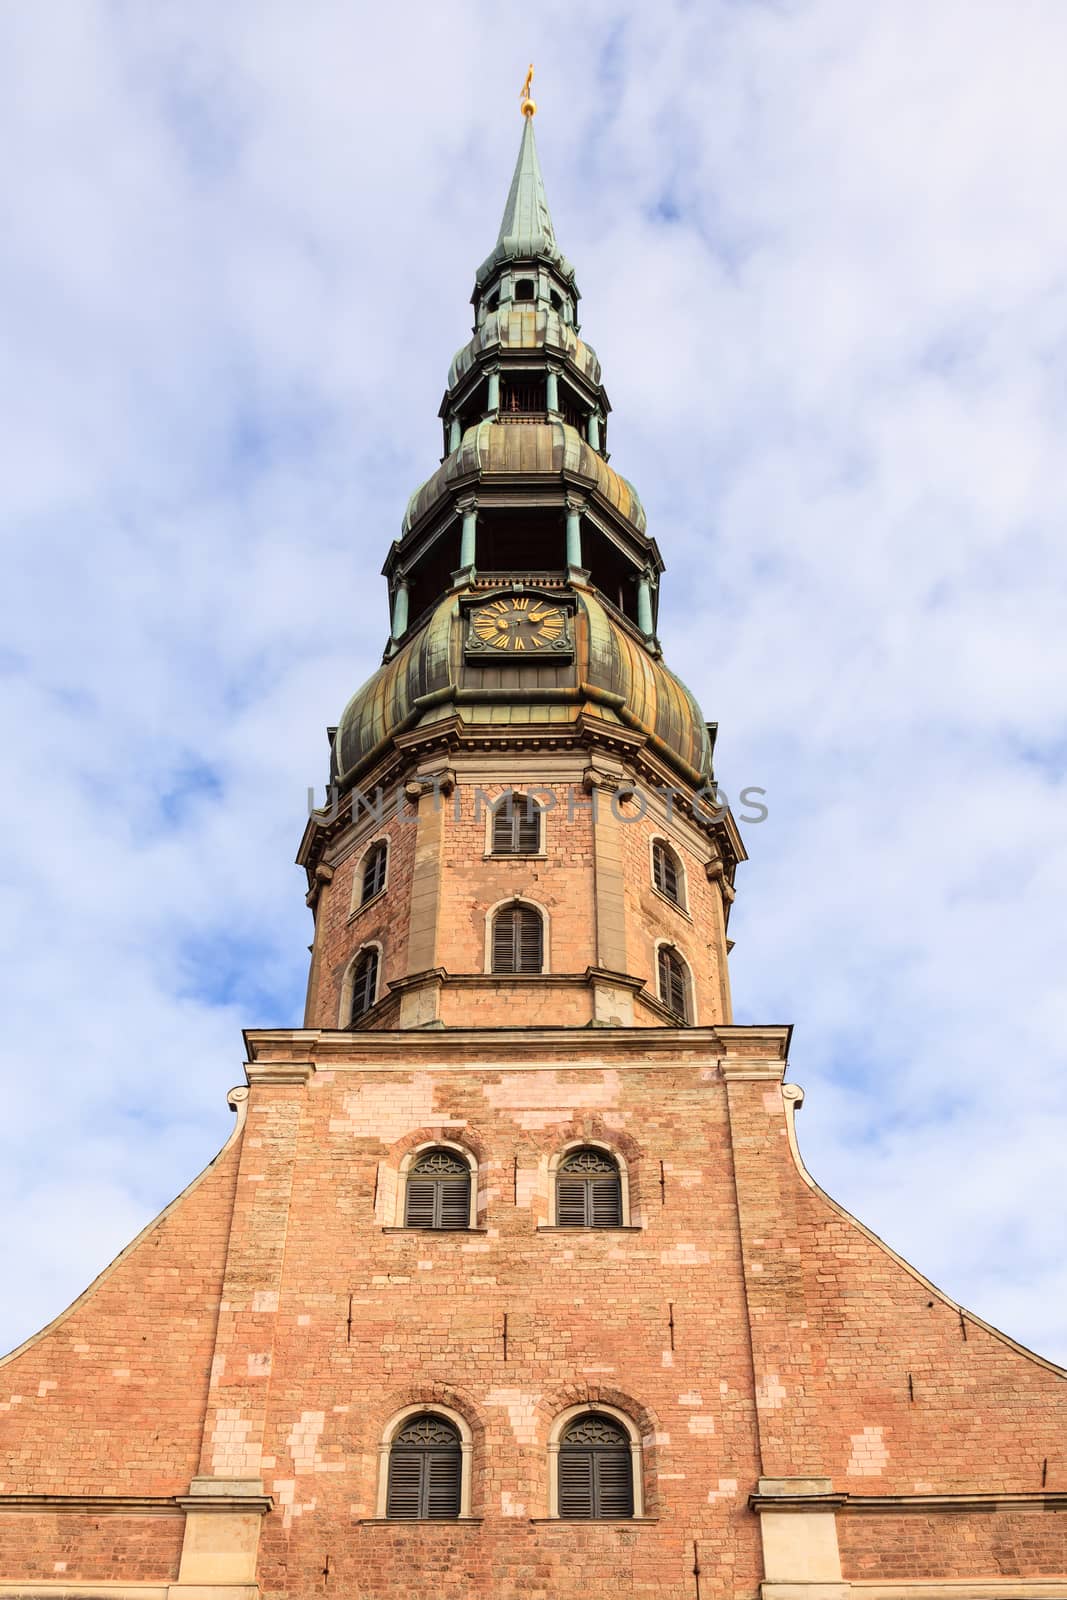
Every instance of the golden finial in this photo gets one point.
(528, 105)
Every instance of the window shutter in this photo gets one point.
(442, 1482)
(504, 941)
(419, 1209)
(570, 1203)
(605, 1202)
(613, 1482)
(374, 872)
(576, 1498)
(364, 984)
(454, 1203)
(404, 1498)
(672, 985)
(517, 826)
(595, 1470)
(529, 940)
(664, 872)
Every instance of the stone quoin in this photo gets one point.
(510, 1280)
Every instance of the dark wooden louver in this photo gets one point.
(438, 1192)
(424, 1470)
(665, 872)
(374, 872)
(588, 1191)
(517, 940)
(517, 826)
(673, 990)
(364, 984)
(595, 1470)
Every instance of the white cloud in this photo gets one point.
(238, 251)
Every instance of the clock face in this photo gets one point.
(526, 624)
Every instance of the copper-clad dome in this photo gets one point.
(550, 448)
(612, 678)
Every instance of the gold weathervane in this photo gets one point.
(528, 104)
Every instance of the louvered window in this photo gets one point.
(673, 982)
(588, 1191)
(364, 984)
(517, 826)
(438, 1192)
(518, 940)
(665, 872)
(425, 1470)
(374, 872)
(595, 1470)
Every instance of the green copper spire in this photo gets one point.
(526, 231)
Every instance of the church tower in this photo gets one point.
(510, 1280)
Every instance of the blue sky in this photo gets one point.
(823, 263)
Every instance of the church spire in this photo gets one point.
(526, 231)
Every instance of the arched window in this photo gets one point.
(516, 826)
(666, 872)
(374, 871)
(674, 982)
(425, 1470)
(518, 939)
(438, 1191)
(364, 983)
(524, 289)
(588, 1190)
(595, 1469)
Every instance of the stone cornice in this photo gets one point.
(933, 1504)
(97, 1505)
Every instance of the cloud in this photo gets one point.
(824, 269)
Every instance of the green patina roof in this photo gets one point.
(525, 327)
(526, 231)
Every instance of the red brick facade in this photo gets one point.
(277, 1319)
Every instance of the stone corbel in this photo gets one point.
(716, 873)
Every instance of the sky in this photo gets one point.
(823, 257)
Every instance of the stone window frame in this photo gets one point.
(395, 1425)
(358, 904)
(344, 1013)
(637, 1463)
(546, 929)
(690, 1019)
(682, 903)
(540, 854)
(556, 1160)
(408, 1160)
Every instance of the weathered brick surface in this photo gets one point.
(987, 1544)
(63, 1546)
(862, 1373)
(111, 1399)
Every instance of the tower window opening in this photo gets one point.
(522, 397)
(572, 413)
(525, 289)
(374, 871)
(665, 873)
(674, 983)
(588, 1191)
(493, 302)
(556, 300)
(425, 1471)
(438, 1192)
(517, 826)
(364, 984)
(518, 940)
(595, 1470)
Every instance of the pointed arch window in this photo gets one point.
(425, 1470)
(518, 939)
(374, 865)
(674, 982)
(364, 983)
(596, 1470)
(516, 826)
(588, 1190)
(665, 873)
(438, 1192)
